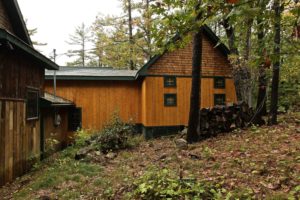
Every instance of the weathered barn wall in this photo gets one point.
(19, 140)
(4, 19)
(155, 113)
(17, 73)
(100, 99)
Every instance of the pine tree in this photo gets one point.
(80, 40)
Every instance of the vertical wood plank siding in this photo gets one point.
(16, 73)
(19, 140)
(100, 99)
(156, 114)
(59, 133)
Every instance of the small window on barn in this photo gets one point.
(32, 104)
(220, 99)
(170, 99)
(170, 81)
(74, 119)
(219, 82)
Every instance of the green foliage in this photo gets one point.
(81, 138)
(289, 93)
(208, 153)
(111, 37)
(51, 146)
(115, 135)
(58, 171)
(163, 184)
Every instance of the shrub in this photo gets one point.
(115, 135)
(163, 184)
(81, 138)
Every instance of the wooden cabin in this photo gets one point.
(157, 96)
(22, 70)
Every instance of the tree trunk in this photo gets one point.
(83, 51)
(276, 64)
(234, 51)
(248, 85)
(148, 29)
(195, 101)
(261, 107)
(195, 98)
(131, 42)
(231, 36)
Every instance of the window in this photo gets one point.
(32, 104)
(74, 119)
(170, 81)
(219, 82)
(170, 100)
(220, 99)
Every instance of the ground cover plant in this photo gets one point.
(257, 163)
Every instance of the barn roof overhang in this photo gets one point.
(49, 100)
(15, 42)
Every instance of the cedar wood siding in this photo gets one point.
(100, 99)
(179, 63)
(143, 100)
(19, 138)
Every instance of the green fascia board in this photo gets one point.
(17, 20)
(48, 64)
(206, 30)
(93, 78)
(143, 70)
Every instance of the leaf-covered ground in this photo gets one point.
(263, 163)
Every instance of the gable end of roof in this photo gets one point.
(16, 18)
(206, 31)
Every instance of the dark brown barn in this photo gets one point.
(22, 71)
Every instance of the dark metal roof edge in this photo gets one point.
(93, 78)
(211, 35)
(57, 104)
(17, 20)
(62, 105)
(28, 49)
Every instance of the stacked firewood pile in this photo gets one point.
(224, 118)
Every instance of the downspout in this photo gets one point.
(54, 75)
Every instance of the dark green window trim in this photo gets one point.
(219, 82)
(169, 81)
(219, 99)
(170, 99)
